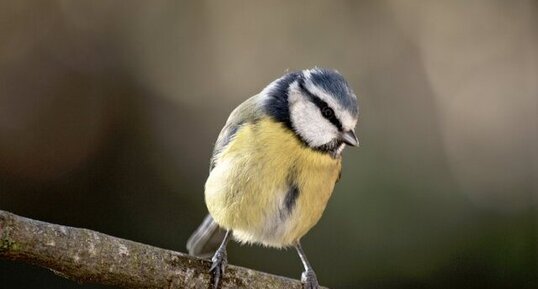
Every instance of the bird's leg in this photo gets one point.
(220, 260)
(309, 279)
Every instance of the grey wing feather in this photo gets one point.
(247, 112)
(207, 238)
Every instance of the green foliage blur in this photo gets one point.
(109, 111)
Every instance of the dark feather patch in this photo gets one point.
(291, 198)
(277, 105)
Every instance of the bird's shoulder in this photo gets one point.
(250, 111)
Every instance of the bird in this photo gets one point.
(274, 167)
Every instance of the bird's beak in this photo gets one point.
(350, 138)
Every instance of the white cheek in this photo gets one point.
(348, 122)
(309, 123)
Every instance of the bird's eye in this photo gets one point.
(327, 112)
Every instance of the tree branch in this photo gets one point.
(87, 256)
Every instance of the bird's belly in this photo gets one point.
(248, 190)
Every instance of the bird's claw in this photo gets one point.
(220, 261)
(309, 280)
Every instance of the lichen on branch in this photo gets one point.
(87, 256)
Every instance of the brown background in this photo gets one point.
(109, 110)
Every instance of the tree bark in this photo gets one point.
(87, 256)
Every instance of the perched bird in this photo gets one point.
(275, 164)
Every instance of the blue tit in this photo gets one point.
(275, 165)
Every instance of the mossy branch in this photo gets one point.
(87, 256)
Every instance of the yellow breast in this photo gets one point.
(246, 190)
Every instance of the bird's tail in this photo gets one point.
(206, 239)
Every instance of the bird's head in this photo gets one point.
(318, 105)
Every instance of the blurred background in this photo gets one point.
(109, 111)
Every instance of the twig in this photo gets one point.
(87, 256)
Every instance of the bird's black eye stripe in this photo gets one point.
(327, 112)
(324, 108)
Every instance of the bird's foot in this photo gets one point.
(309, 280)
(220, 261)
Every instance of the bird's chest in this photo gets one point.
(268, 187)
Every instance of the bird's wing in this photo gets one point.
(207, 238)
(247, 112)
